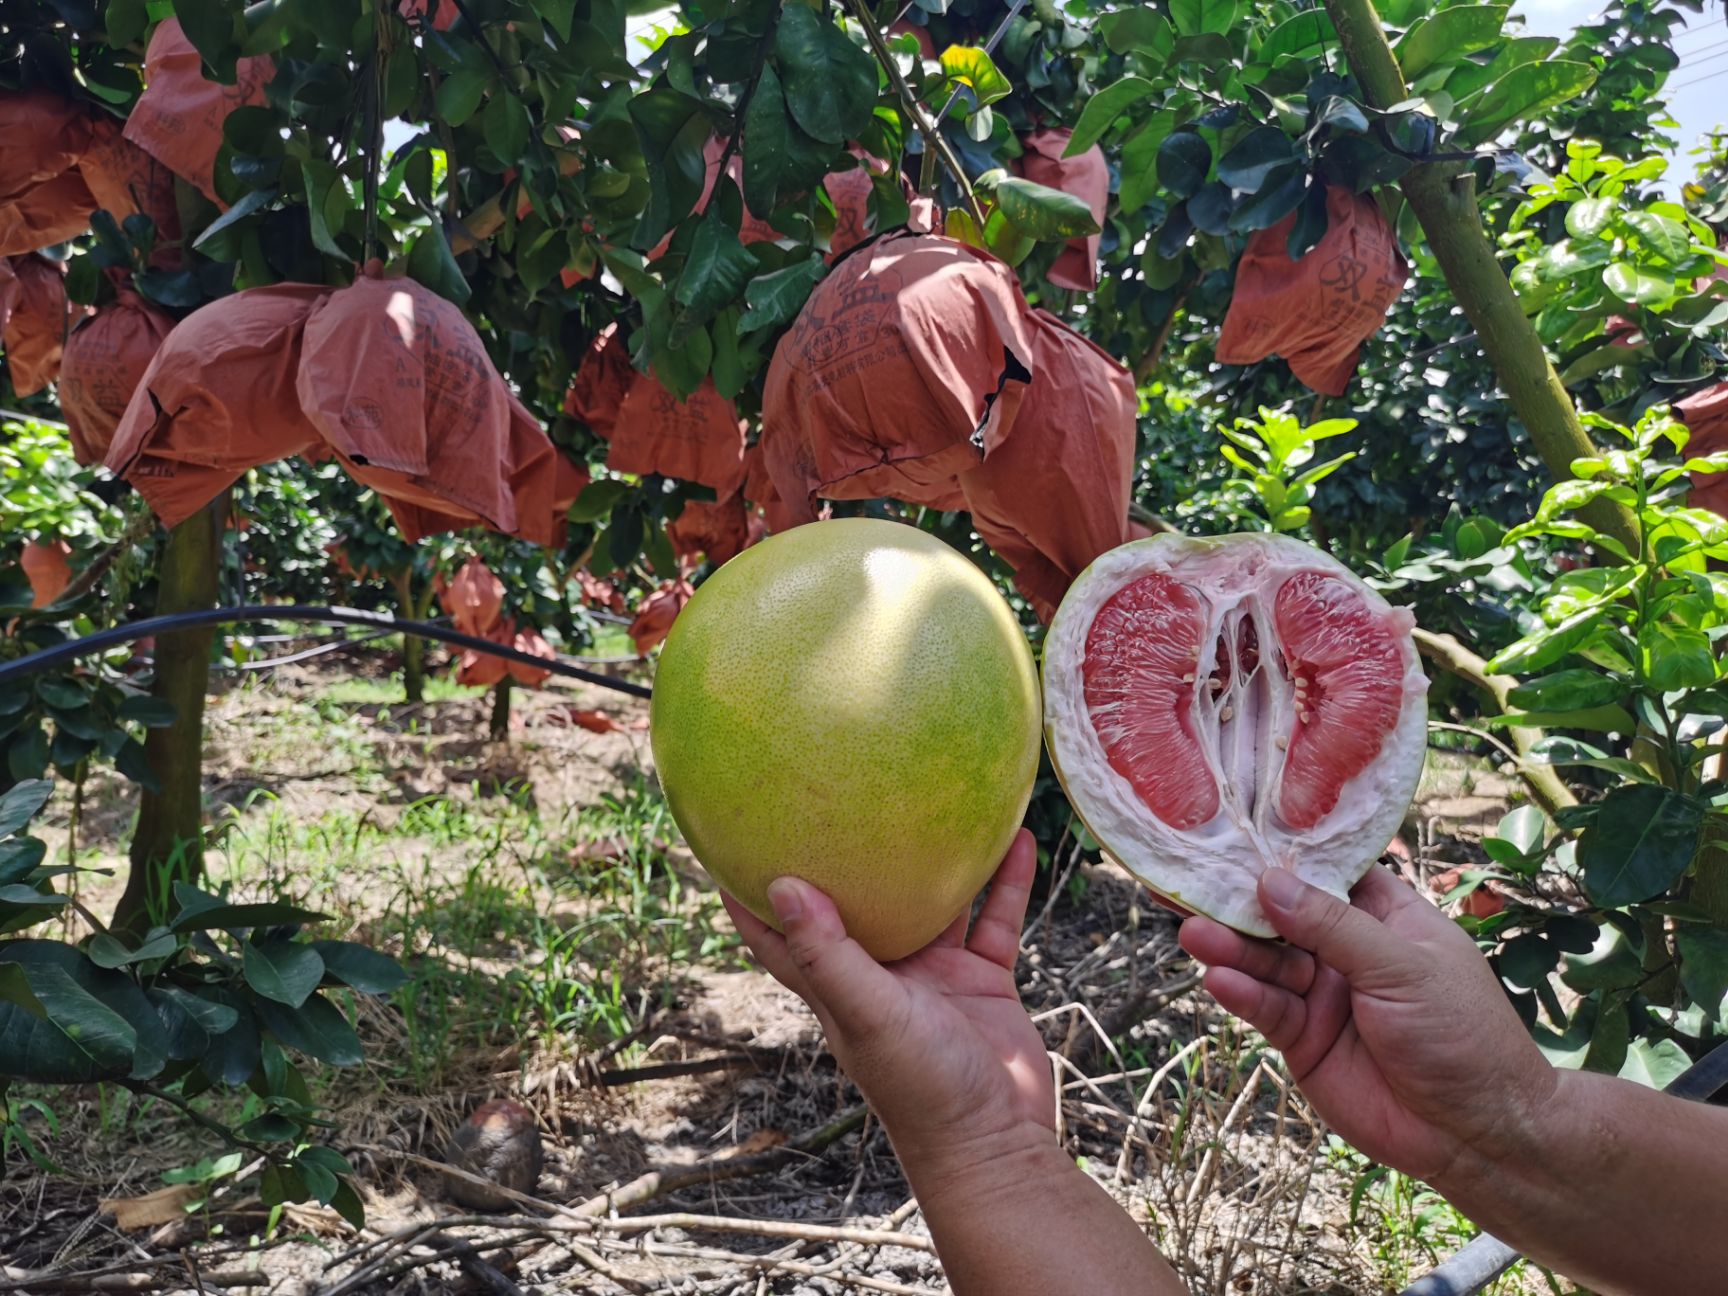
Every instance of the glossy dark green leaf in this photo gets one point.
(716, 270)
(134, 763)
(1138, 29)
(108, 952)
(1184, 162)
(1282, 195)
(506, 125)
(236, 917)
(1640, 844)
(829, 83)
(459, 95)
(253, 203)
(362, 968)
(285, 971)
(1525, 960)
(151, 712)
(317, 1028)
(1210, 209)
(1043, 213)
(775, 298)
(1192, 17)
(432, 264)
(597, 499)
(20, 803)
(1522, 93)
(125, 21)
(233, 1053)
(1566, 690)
(1300, 36)
(1102, 109)
(27, 757)
(1447, 36)
(1704, 967)
(1254, 157)
(117, 1031)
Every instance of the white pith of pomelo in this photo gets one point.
(1218, 764)
(850, 702)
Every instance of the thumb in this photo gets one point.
(1335, 931)
(845, 984)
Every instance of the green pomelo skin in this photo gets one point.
(850, 702)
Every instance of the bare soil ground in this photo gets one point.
(568, 953)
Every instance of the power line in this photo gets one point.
(1709, 76)
(1697, 63)
(1689, 55)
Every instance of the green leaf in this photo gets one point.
(103, 1009)
(317, 1028)
(1522, 93)
(285, 971)
(1638, 287)
(829, 83)
(1567, 690)
(1675, 657)
(214, 1017)
(973, 66)
(1102, 110)
(1194, 17)
(1184, 161)
(107, 952)
(322, 182)
(1523, 827)
(1600, 719)
(366, 970)
(1656, 1064)
(1548, 645)
(1042, 212)
(348, 1205)
(1610, 964)
(236, 917)
(1588, 217)
(459, 94)
(1640, 844)
(1667, 239)
(125, 21)
(558, 14)
(252, 203)
(779, 158)
(1447, 36)
(1562, 752)
(1283, 195)
(506, 125)
(1006, 239)
(597, 499)
(101, 1033)
(1704, 967)
(1255, 157)
(27, 758)
(716, 270)
(21, 803)
(775, 299)
(1140, 30)
(1301, 36)
(151, 712)
(432, 264)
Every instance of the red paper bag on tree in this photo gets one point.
(1318, 311)
(603, 379)
(1085, 175)
(904, 369)
(656, 613)
(1053, 495)
(399, 385)
(125, 181)
(33, 331)
(178, 119)
(43, 199)
(217, 399)
(718, 528)
(1705, 415)
(45, 566)
(104, 360)
(700, 439)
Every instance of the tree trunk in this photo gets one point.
(500, 728)
(413, 646)
(168, 846)
(1443, 196)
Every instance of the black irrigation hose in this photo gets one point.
(45, 658)
(1472, 1267)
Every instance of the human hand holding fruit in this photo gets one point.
(938, 1042)
(1388, 1017)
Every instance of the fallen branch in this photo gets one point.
(1544, 784)
(667, 1070)
(657, 1183)
(797, 1229)
(22, 1279)
(771, 1264)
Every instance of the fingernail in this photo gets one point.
(1282, 888)
(786, 900)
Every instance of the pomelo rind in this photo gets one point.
(1214, 871)
(942, 731)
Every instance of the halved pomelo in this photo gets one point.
(1217, 707)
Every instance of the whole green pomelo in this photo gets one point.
(850, 702)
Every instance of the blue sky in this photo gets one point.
(1697, 89)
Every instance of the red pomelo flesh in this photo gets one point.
(1217, 707)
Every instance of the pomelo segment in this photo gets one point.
(1222, 706)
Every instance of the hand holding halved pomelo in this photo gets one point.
(852, 703)
(1217, 707)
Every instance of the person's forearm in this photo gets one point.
(1019, 1218)
(1616, 1186)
